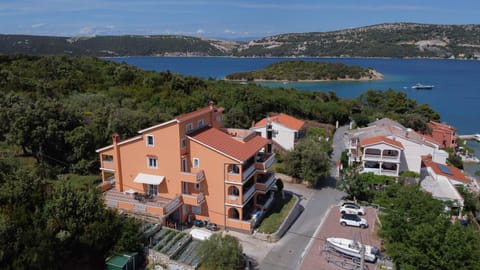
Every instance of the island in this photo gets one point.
(307, 71)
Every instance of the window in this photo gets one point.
(197, 186)
(234, 169)
(218, 118)
(150, 141)
(152, 190)
(196, 162)
(107, 158)
(184, 164)
(183, 143)
(196, 210)
(189, 127)
(152, 162)
(200, 123)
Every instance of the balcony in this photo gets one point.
(193, 199)
(195, 176)
(237, 177)
(264, 162)
(248, 194)
(265, 182)
(157, 206)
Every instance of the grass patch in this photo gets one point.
(79, 182)
(276, 214)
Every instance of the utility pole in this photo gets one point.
(362, 256)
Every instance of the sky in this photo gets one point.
(229, 19)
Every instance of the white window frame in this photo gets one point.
(218, 118)
(197, 210)
(152, 189)
(150, 164)
(189, 127)
(153, 140)
(196, 163)
(200, 123)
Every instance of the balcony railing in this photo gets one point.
(248, 173)
(195, 176)
(264, 185)
(265, 162)
(380, 157)
(193, 199)
(246, 195)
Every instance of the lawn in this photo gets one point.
(277, 214)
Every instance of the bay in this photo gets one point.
(456, 92)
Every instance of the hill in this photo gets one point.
(299, 70)
(399, 40)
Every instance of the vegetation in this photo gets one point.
(62, 229)
(277, 213)
(304, 70)
(221, 253)
(59, 109)
(424, 237)
(309, 160)
(384, 40)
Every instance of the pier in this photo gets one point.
(475, 137)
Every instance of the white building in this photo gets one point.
(386, 147)
(284, 130)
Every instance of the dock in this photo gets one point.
(475, 137)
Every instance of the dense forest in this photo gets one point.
(298, 70)
(56, 110)
(400, 40)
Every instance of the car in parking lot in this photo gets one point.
(353, 220)
(351, 208)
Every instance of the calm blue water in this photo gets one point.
(456, 95)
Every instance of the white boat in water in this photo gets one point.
(476, 137)
(353, 248)
(422, 86)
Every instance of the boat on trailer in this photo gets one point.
(353, 248)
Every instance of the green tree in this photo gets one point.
(309, 160)
(221, 253)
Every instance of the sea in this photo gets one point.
(455, 95)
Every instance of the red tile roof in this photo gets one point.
(227, 145)
(456, 173)
(381, 139)
(198, 112)
(283, 119)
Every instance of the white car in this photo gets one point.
(353, 220)
(351, 208)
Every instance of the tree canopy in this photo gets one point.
(221, 253)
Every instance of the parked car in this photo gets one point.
(353, 220)
(351, 208)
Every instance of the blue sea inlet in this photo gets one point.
(456, 92)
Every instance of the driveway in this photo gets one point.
(289, 251)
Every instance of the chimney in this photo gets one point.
(118, 163)
(211, 104)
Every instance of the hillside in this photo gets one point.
(385, 40)
(306, 71)
(164, 45)
(400, 40)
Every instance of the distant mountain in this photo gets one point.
(163, 45)
(398, 40)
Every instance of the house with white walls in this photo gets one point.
(284, 130)
(386, 147)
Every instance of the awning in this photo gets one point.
(149, 179)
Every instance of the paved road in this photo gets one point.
(289, 251)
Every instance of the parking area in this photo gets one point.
(317, 257)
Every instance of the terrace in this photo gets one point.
(149, 206)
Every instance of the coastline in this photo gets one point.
(375, 76)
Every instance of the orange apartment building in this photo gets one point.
(445, 135)
(191, 168)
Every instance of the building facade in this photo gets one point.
(283, 129)
(190, 168)
(445, 135)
